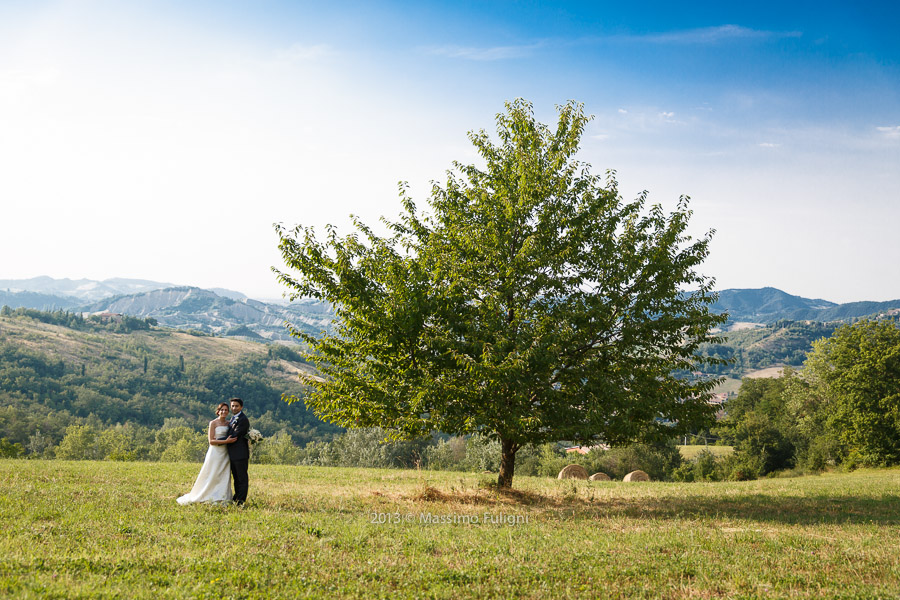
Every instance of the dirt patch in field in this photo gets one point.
(741, 325)
(283, 369)
(770, 372)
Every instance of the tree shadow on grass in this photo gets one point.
(795, 510)
(808, 509)
(805, 510)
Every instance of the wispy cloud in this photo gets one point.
(14, 84)
(290, 58)
(769, 145)
(892, 133)
(300, 53)
(486, 53)
(706, 35)
(46, 76)
(711, 35)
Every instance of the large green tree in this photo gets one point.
(858, 371)
(530, 304)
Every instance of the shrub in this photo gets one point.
(10, 450)
(79, 443)
(278, 449)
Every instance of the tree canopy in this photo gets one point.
(530, 304)
(859, 370)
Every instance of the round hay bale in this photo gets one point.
(572, 472)
(637, 476)
(600, 477)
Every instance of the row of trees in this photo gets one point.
(178, 442)
(175, 441)
(843, 408)
(76, 320)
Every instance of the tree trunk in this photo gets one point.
(508, 451)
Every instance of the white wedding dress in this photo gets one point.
(214, 481)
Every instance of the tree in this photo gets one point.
(10, 449)
(278, 449)
(531, 304)
(859, 368)
(79, 443)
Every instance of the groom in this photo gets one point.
(239, 449)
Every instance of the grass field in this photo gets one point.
(88, 529)
(691, 451)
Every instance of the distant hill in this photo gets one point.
(86, 290)
(208, 312)
(764, 305)
(768, 305)
(218, 311)
(225, 312)
(780, 343)
(37, 300)
(54, 375)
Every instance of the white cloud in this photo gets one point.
(769, 145)
(17, 83)
(713, 35)
(484, 54)
(668, 117)
(892, 133)
(622, 111)
(300, 52)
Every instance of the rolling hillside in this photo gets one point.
(54, 375)
(768, 305)
(777, 344)
(218, 311)
(208, 312)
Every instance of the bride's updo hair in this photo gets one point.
(221, 404)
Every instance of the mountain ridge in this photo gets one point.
(223, 312)
(768, 305)
(187, 307)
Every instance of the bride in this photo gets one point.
(214, 481)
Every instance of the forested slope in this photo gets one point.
(57, 369)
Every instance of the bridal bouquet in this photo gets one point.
(254, 437)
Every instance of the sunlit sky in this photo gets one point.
(161, 140)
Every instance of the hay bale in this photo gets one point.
(637, 476)
(600, 477)
(573, 472)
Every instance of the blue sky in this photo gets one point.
(161, 140)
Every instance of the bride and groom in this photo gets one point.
(228, 457)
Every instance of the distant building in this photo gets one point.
(718, 399)
(585, 449)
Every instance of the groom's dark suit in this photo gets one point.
(239, 453)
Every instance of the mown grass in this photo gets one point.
(691, 451)
(75, 345)
(89, 529)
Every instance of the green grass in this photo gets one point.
(690, 452)
(88, 529)
(728, 385)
